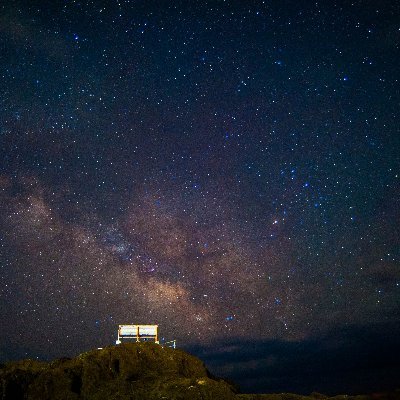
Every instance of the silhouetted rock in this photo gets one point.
(127, 371)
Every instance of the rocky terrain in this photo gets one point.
(129, 371)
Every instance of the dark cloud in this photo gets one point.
(353, 359)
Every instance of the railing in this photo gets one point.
(171, 343)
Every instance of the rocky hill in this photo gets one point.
(127, 371)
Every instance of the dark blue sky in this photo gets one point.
(226, 169)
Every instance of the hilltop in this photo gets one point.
(128, 371)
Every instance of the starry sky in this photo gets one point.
(228, 170)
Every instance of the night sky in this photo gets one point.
(228, 170)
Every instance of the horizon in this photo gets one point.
(355, 360)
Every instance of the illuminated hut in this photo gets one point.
(139, 333)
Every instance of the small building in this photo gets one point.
(138, 333)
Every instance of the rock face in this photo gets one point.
(127, 371)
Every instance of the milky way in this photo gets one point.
(227, 170)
